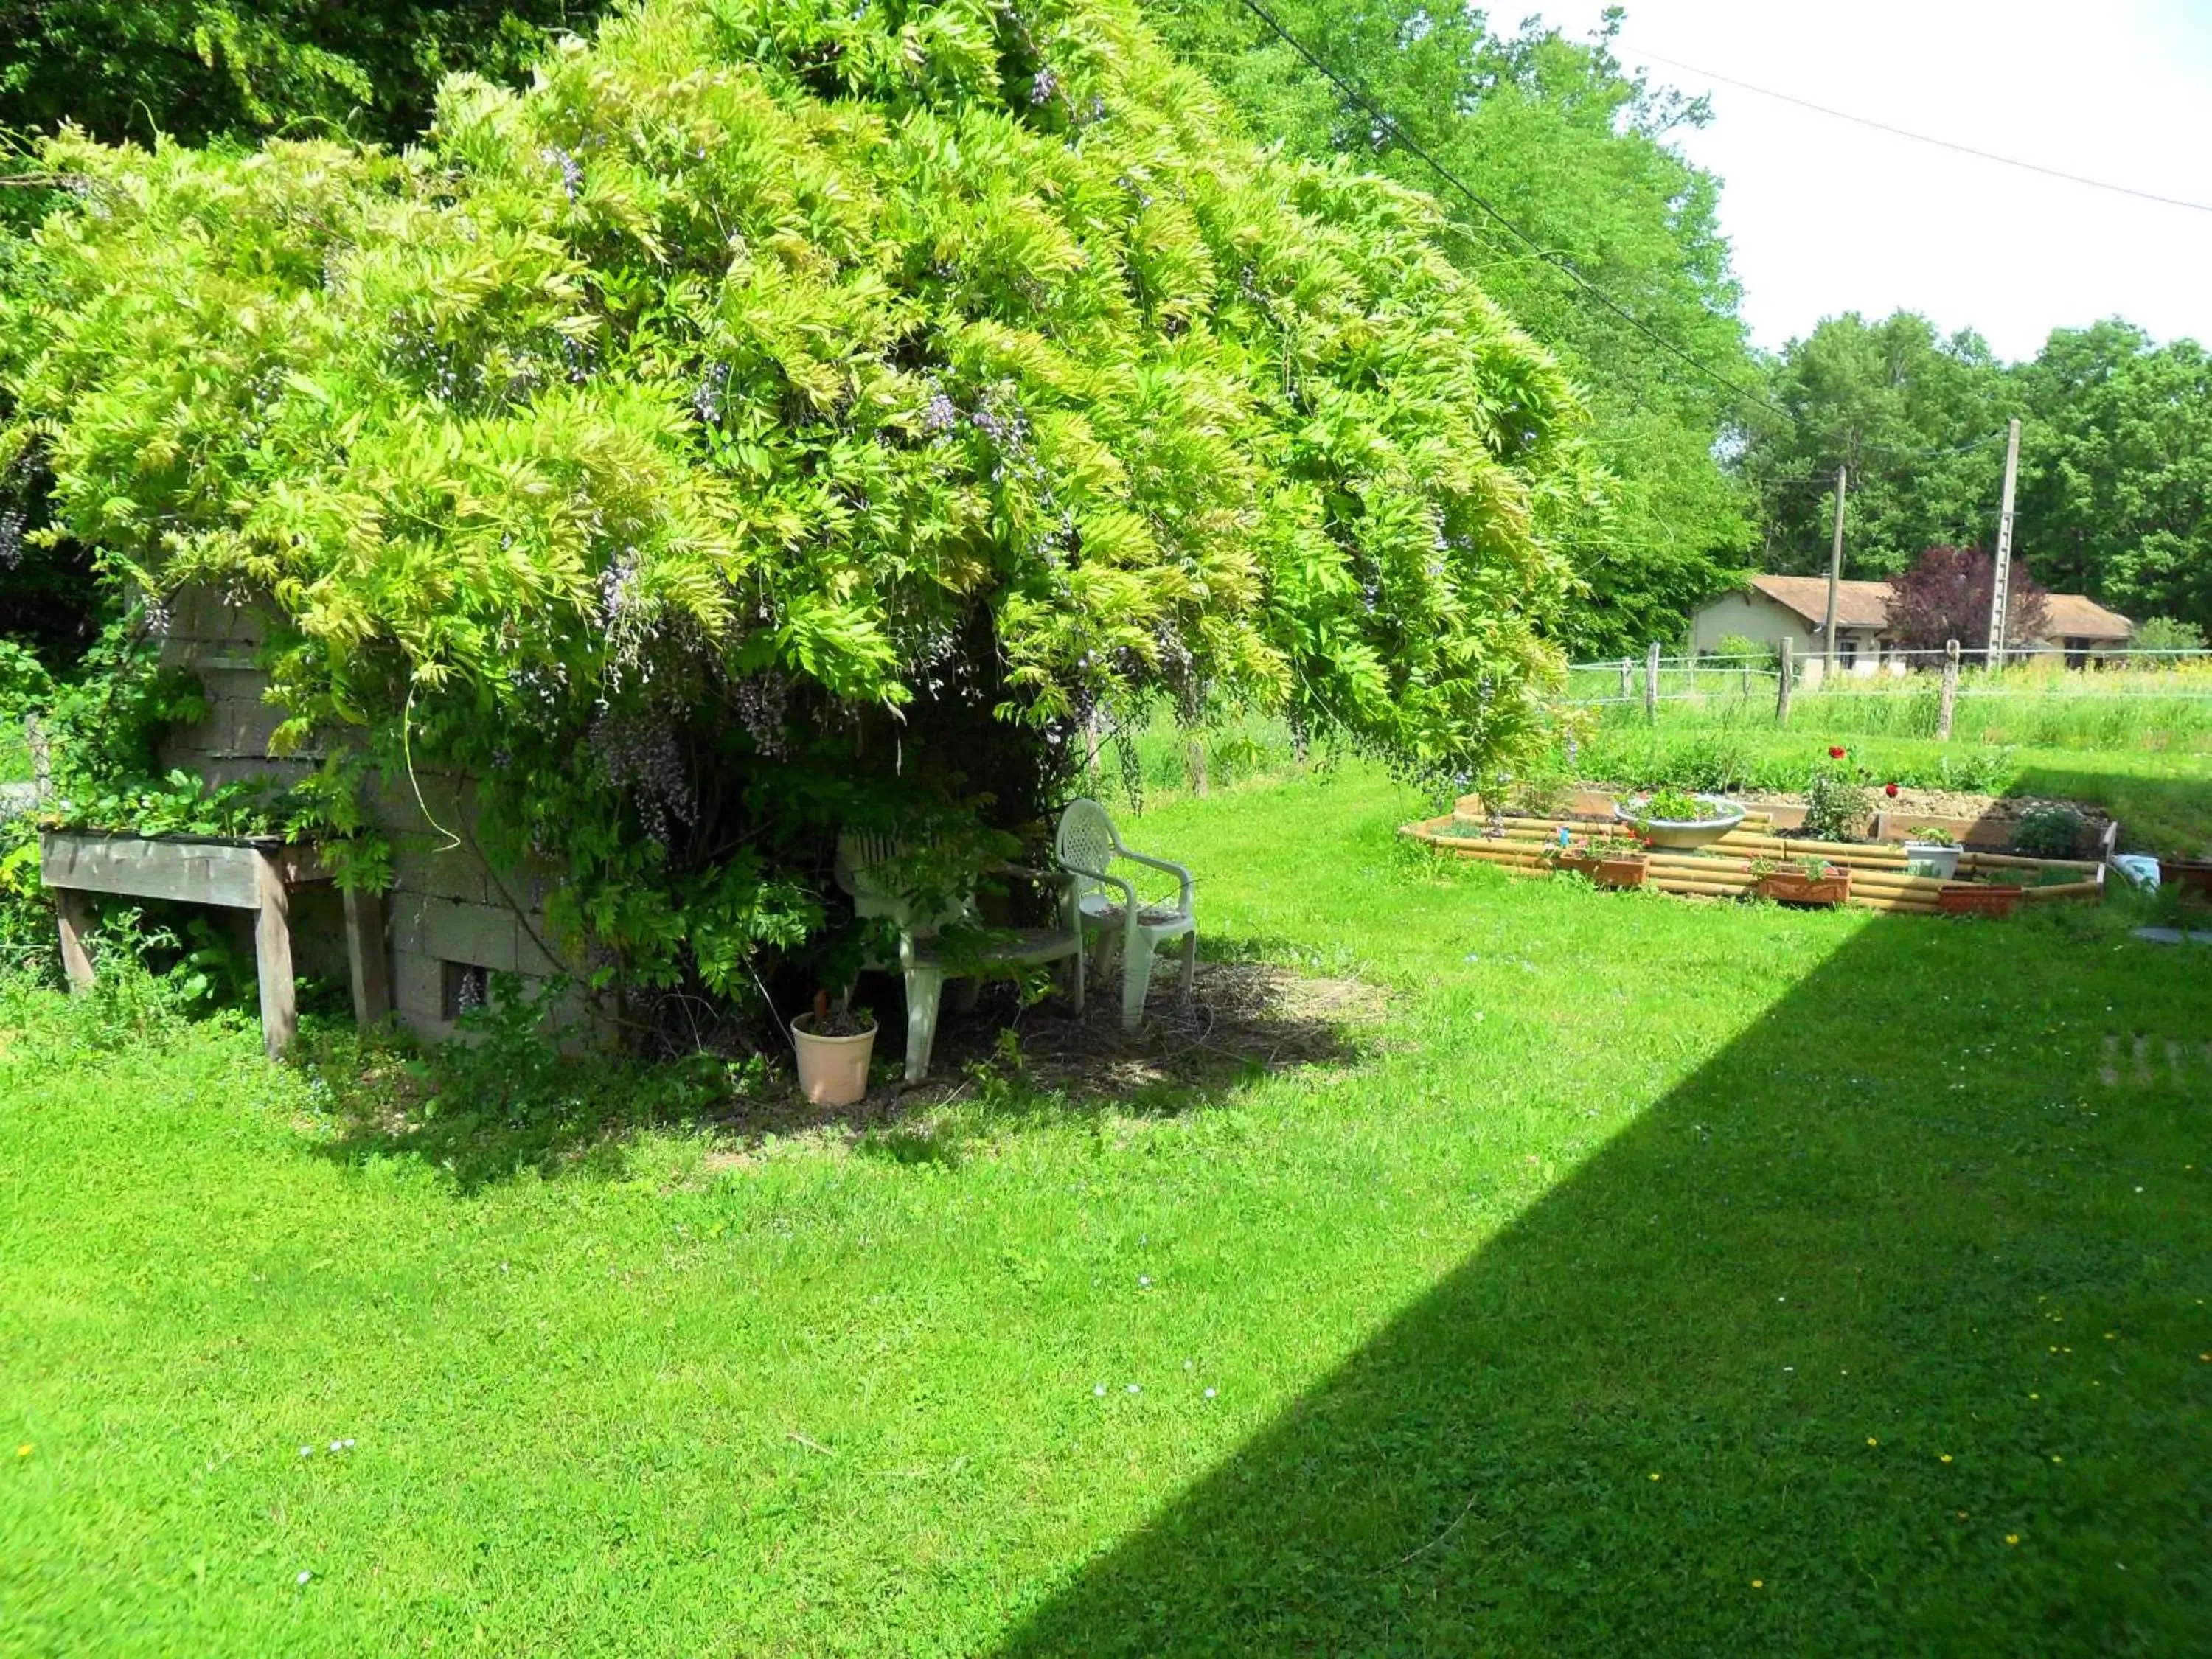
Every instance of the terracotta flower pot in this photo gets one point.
(1967, 898)
(833, 1071)
(1623, 870)
(1795, 887)
(1613, 869)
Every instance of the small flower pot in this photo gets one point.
(1627, 870)
(1931, 857)
(1795, 887)
(833, 1071)
(1968, 899)
(1614, 870)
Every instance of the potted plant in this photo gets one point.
(1978, 898)
(1808, 881)
(1678, 818)
(1611, 859)
(834, 1045)
(1932, 850)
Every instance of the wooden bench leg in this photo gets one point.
(74, 912)
(364, 956)
(272, 962)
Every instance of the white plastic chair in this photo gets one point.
(920, 958)
(1086, 847)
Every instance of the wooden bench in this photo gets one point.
(259, 875)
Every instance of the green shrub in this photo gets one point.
(2167, 634)
(2049, 832)
(1838, 803)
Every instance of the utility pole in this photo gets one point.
(1835, 576)
(2001, 578)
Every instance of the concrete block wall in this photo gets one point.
(446, 910)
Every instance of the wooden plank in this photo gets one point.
(2009, 861)
(75, 921)
(366, 958)
(130, 866)
(272, 959)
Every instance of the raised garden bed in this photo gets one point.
(1880, 877)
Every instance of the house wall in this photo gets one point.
(1755, 617)
(447, 908)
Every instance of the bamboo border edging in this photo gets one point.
(1882, 878)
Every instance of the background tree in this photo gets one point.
(2116, 469)
(1576, 150)
(1945, 595)
(1914, 416)
(197, 70)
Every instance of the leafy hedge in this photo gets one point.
(781, 415)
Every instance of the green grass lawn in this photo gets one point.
(1665, 1276)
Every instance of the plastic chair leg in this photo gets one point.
(924, 985)
(1189, 964)
(1136, 980)
(1076, 974)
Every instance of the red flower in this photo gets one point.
(1835, 753)
(1890, 790)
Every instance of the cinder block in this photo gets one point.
(418, 986)
(455, 873)
(484, 935)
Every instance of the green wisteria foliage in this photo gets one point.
(781, 409)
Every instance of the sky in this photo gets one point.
(1825, 216)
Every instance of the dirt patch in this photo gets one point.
(1243, 1017)
(1941, 804)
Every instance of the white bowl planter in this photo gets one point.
(1932, 858)
(1681, 834)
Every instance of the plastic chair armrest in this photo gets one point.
(1172, 868)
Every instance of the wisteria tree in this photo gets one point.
(783, 414)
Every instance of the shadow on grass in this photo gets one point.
(2171, 816)
(1789, 1366)
(490, 1113)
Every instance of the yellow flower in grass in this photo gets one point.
(2012, 1538)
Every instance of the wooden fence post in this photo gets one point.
(1950, 691)
(1651, 684)
(1789, 674)
(1627, 681)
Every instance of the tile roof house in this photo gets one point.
(1772, 608)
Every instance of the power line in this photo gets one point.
(1559, 261)
(1926, 138)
